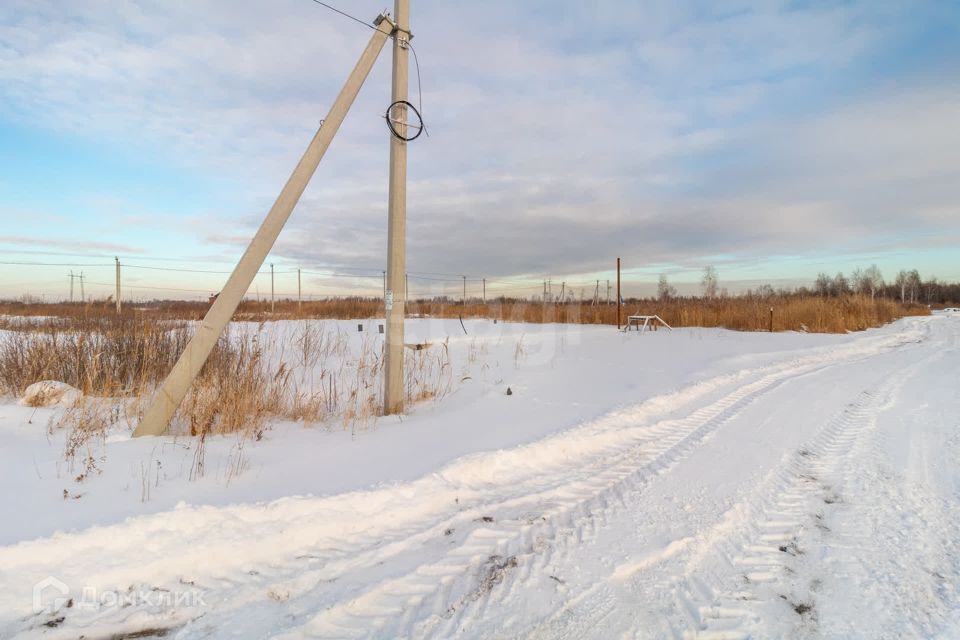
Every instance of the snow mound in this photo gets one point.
(48, 393)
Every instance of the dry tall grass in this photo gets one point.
(790, 313)
(100, 355)
(742, 313)
(253, 374)
(108, 355)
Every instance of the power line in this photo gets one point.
(333, 273)
(54, 264)
(345, 14)
(139, 266)
(137, 286)
(416, 60)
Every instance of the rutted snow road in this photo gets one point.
(814, 497)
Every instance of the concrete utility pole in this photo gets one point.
(118, 283)
(71, 286)
(484, 291)
(271, 288)
(608, 292)
(299, 295)
(83, 298)
(464, 299)
(397, 216)
(175, 386)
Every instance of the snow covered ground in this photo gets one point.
(694, 483)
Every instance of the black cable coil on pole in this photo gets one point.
(418, 127)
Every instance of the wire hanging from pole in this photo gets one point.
(344, 13)
(390, 121)
(416, 62)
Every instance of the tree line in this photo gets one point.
(907, 287)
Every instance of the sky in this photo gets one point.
(773, 140)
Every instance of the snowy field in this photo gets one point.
(695, 483)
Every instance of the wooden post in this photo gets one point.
(771, 319)
(118, 283)
(618, 293)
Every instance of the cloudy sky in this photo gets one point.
(770, 139)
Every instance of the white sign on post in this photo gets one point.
(388, 299)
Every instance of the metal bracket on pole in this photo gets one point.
(178, 381)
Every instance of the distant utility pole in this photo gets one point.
(608, 292)
(406, 287)
(563, 288)
(299, 294)
(596, 294)
(83, 297)
(271, 288)
(118, 283)
(71, 285)
(484, 291)
(393, 386)
(464, 300)
(618, 293)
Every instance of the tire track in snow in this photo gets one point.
(762, 581)
(439, 598)
(894, 534)
(395, 574)
(678, 600)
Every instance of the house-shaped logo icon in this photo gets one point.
(49, 595)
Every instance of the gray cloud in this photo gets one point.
(561, 136)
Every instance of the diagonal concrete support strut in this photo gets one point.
(178, 381)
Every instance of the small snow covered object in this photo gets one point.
(509, 392)
(49, 393)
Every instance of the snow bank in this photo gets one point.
(620, 464)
